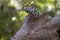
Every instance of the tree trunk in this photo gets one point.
(43, 27)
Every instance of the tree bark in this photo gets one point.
(43, 27)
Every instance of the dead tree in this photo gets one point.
(41, 27)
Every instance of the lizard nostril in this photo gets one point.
(58, 31)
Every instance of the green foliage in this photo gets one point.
(42, 5)
(10, 20)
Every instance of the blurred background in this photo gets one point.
(12, 14)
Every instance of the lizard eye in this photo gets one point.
(58, 31)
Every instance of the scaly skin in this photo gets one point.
(33, 11)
